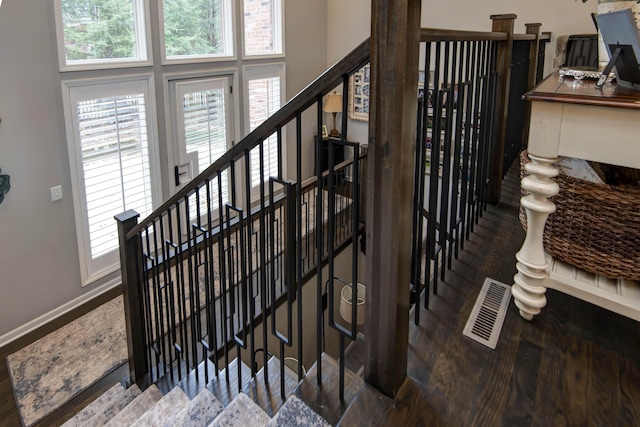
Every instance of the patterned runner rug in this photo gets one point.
(51, 371)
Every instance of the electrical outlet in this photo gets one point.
(56, 193)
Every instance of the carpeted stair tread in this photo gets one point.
(294, 413)
(136, 408)
(165, 408)
(101, 418)
(242, 411)
(96, 406)
(201, 411)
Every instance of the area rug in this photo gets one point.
(51, 371)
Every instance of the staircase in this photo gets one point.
(193, 403)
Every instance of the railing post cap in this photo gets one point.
(127, 216)
(504, 16)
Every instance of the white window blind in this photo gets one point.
(204, 123)
(264, 89)
(111, 153)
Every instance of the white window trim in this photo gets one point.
(250, 72)
(144, 37)
(90, 274)
(229, 37)
(279, 33)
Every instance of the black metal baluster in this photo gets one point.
(446, 159)
(263, 263)
(319, 245)
(298, 234)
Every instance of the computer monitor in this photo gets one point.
(622, 40)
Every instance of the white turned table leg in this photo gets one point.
(528, 289)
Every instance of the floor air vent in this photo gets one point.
(485, 323)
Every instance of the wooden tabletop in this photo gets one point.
(569, 90)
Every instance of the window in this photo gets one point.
(102, 33)
(111, 117)
(204, 125)
(263, 29)
(196, 30)
(265, 92)
(110, 151)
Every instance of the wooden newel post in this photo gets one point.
(533, 71)
(130, 259)
(501, 24)
(395, 43)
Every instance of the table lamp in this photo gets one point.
(333, 104)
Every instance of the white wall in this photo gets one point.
(349, 24)
(39, 270)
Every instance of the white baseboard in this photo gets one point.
(57, 312)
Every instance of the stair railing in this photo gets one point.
(458, 142)
(212, 263)
(211, 266)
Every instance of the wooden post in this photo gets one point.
(502, 24)
(533, 71)
(395, 43)
(130, 259)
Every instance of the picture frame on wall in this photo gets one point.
(359, 91)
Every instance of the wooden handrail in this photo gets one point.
(443, 35)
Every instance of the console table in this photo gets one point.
(574, 119)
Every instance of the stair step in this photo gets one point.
(201, 411)
(164, 409)
(267, 395)
(325, 400)
(241, 412)
(107, 413)
(226, 391)
(136, 408)
(112, 401)
(95, 407)
(294, 413)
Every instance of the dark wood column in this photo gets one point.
(395, 42)
(502, 24)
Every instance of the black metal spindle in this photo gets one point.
(319, 246)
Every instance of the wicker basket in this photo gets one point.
(596, 227)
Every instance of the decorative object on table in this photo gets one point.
(5, 186)
(325, 132)
(619, 31)
(333, 105)
(596, 227)
(346, 303)
(579, 74)
(359, 94)
(606, 6)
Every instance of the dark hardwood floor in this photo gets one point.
(576, 364)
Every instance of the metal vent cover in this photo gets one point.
(486, 319)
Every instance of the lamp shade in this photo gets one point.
(346, 306)
(333, 103)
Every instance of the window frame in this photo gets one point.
(143, 34)
(228, 30)
(279, 33)
(92, 270)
